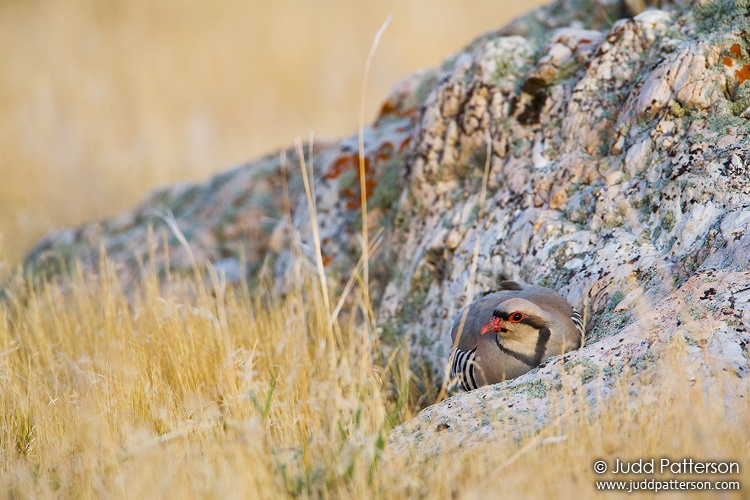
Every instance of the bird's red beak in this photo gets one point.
(493, 325)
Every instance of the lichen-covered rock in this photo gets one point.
(243, 220)
(607, 178)
(618, 175)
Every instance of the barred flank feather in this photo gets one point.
(578, 321)
(464, 368)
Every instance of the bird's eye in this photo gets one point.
(516, 317)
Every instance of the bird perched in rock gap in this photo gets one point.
(510, 331)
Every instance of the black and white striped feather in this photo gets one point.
(578, 321)
(463, 369)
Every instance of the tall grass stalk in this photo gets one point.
(363, 171)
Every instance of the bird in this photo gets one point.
(508, 332)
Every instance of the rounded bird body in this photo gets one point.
(510, 331)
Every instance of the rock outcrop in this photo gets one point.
(619, 145)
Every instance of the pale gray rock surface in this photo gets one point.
(618, 175)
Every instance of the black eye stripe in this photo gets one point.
(530, 320)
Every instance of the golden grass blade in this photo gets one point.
(363, 170)
(314, 224)
(171, 221)
(374, 244)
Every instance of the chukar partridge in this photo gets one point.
(510, 331)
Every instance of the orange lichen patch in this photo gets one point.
(327, 259)
(351, 194)
(370, 187)
(342, 164)
(385, 152)
(735, 49)
(742, 74)
(403, 144)
(388, 109)
(728, 61)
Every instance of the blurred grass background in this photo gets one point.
(102, 100)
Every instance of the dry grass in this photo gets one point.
(231, 396)
(226, 395)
